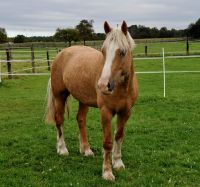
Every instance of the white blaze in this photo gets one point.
(106, 72)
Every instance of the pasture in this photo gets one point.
(161, 145)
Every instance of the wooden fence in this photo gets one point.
(9, 56)
(9, 59)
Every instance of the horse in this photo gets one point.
(103, 79)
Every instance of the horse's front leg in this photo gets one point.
(116, 152)
(106, 117)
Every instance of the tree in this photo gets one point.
(144, 32)
(154, 33)
(99, 36)
(86, 30)
(163, 32)
(68, 34)
(3, 35)
(19, 39)
(194, 29)
(3, 30)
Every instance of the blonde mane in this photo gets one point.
(125, 42)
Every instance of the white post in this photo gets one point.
(164, 83)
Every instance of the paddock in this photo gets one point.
(161, 146)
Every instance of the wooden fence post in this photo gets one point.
(145, 50)
(33, 59)
(48, 62)
(8, 55)
(187, 45)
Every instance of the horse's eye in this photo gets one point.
(122, 53)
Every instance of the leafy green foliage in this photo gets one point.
(3, 36)
(194, 29)
(68, 34)
(140, 31)
(19, 39)
(86, 30)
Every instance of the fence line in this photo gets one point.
(27, 60)
(24, 74)
(137, 72)
(37, 67)
(33, 60)
(135, 58)
(167, 72)
(166, 57)
(53, 50)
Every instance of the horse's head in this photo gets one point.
(116, 50)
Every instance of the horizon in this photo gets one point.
(31, 33)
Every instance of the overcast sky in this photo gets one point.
(42, 17)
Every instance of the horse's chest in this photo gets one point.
(115, 104)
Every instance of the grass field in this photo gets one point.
(161, 145)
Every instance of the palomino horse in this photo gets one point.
(96, 79)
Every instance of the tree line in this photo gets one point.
(84, 31)
(141, 31)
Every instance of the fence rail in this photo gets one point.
(32, 61)
(10, 61)
(137, 72)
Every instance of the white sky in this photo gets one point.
(42, 17)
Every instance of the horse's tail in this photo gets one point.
(50, 108)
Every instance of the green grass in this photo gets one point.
(161, 145)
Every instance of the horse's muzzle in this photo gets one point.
(106, 88)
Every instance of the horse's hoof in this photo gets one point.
(88, 153)
(108, 175)
(118, 165)
(63, 151)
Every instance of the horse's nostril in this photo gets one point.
(110, 86)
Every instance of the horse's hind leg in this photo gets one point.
(59, 118)
(81, 119)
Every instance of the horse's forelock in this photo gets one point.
(124, 42)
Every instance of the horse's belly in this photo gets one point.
(86, 96)
(81, 85)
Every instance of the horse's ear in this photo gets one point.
(107, 28)
(124, 28)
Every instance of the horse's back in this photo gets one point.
(78, 68)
